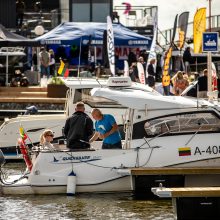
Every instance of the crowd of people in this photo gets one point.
(152, 70)
(177, 80)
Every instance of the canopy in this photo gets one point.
(9, 39)
(77, 33)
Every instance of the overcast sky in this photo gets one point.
(167, 9)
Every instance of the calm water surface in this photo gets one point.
(82, 206)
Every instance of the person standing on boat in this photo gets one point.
(78, 128)
(106, 128)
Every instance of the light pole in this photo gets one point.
(210, 15)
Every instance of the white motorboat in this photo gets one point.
(160, 131)
(34, 125)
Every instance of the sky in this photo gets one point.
(167, 9)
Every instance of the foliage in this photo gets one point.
(56, 81)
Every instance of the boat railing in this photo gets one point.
(11, 49)
(66, 105)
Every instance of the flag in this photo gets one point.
(199, 26)
(61, 68)
(105, 50)
(63, 71)
(66, 72)
(214, 78)
(22, 133)
(166, 68)
(141, 73)
(126, 68)
(184, 151)
(174, 29)
(128, 7)
(152, 53)
(110, 45)
(182, 28)
(167, 58)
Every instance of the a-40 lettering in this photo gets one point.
(209, 150)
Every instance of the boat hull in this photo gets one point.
(23, 187)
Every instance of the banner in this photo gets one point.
(141, 74)
(199, 26)
(214, 78)
(110, 45)
(126, 68)
(182, 28)
(174, 29)
(166, 68)
(152, 53)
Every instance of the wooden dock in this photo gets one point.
(197, 203)
(174, 171)
(143, 179)
(31, 94)
(186, 192)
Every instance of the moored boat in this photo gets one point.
(160, 131)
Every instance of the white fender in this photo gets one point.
(71, 184)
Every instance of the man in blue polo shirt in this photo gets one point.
(106, 128)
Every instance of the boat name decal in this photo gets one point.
(75, 159)
(209, 150)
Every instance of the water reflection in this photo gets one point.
(82, 206)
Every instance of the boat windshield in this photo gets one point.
(95, 102)
(183, 123)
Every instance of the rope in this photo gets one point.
(4, 182)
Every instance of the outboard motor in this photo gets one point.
(31, 110)
(2, 158)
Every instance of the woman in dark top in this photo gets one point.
(151, 73)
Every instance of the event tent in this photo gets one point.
(81, 33)
(9, 39)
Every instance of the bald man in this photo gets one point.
(106, 128)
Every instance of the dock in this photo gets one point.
(195, 191)
(14, 101)
(175, 171)
(187, 192)
(143, 179)
(197, 203)
(31, 94)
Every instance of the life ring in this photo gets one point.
(24, 150)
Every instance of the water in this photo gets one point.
(82, 206)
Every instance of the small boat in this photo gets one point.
(160, 131)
